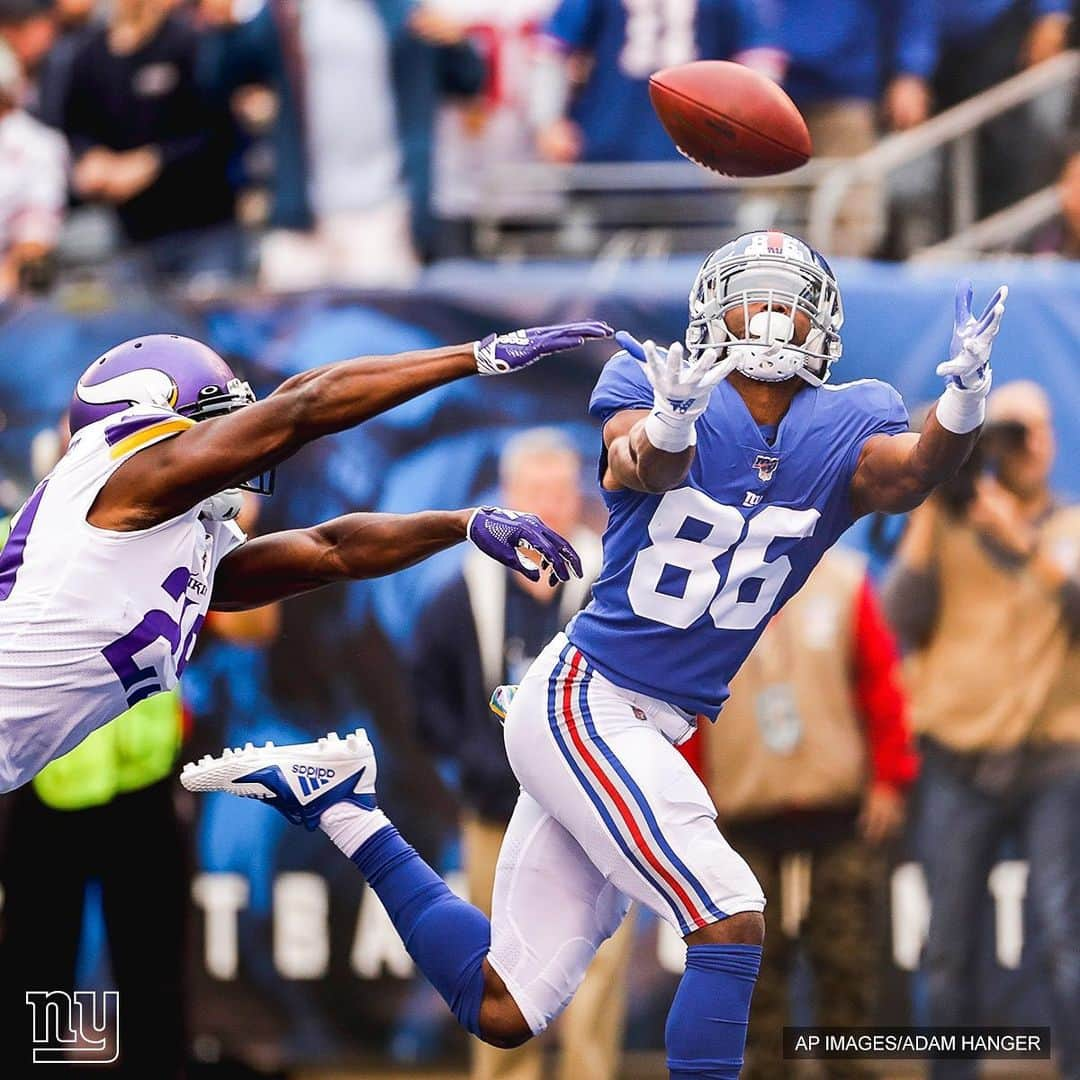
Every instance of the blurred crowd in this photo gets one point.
(301, 143)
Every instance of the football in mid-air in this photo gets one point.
(730, 119)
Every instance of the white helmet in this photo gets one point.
(769, 268)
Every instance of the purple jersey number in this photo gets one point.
(11, 557)
(142, 682)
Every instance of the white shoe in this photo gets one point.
(301, 781)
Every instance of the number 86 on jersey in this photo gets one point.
(675, 580)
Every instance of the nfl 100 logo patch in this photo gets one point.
(765, 466)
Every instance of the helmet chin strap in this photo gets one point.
(764, 364)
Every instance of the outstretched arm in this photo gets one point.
(633, 462)
(895, 473)
(170, 477)
(284, 564)
(652, 450)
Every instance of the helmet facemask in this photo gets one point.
(215, 401)
(782, 287)
(218, 401)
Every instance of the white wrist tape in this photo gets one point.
(961, 411)
(672, 434)
(469, 524)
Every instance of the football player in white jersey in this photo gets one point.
(728, 470)
(113, 561)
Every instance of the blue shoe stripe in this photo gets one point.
(308, 814)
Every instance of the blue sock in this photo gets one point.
(706, 1027)
(447, 937)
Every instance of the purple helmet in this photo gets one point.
(166, 370)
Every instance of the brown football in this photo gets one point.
(730, 119)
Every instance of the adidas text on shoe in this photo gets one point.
(301, 780)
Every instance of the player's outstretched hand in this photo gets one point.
(675, 375)
(968, 367)
(681, 389)
(499, 353)
(524, 543)
(685, 384)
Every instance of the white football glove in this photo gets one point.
(968, 374)
(681, 389)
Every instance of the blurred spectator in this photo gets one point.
(1062, 235)
(104, 813)
(480, 137)
(146, 142)
(74, 18)
(1070, 207)
(848, 59)
(983, 42)
(986, 593)
(33, 186)
(809, 768)
(358, 83)
(608, 116)
(28, 28)
(485, 628)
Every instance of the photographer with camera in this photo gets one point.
(985, 596)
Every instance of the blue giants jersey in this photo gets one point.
(627, 40)
(691, 577)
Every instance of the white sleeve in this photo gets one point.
(39, 215)
(228, 536)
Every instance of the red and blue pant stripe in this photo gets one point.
(620, 802)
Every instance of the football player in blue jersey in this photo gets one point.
(729, 467)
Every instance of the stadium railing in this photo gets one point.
(617, 210)
(620, 210)
(1000, 232)
(955, 132)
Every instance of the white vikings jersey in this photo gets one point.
(93, 621)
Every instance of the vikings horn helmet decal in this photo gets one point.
(143, 386)
(771, 271)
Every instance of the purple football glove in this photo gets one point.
(507, 537)
(500, 353)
